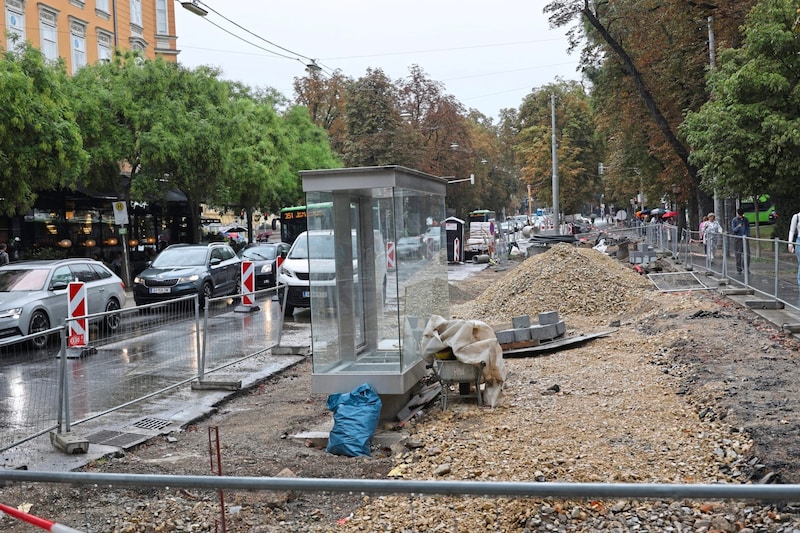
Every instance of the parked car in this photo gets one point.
(265, 256)
(314, 254)
(207, 270)
(33, 295)
(410, 247)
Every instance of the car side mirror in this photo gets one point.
(215, 261)
(58, 286)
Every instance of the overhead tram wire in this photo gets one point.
(309, 62)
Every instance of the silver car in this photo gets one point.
(33, 295)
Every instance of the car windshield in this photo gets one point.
(260, 253)
(17, 280)
(321, 247)
(180, 257)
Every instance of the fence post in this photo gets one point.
(65, 440)
(201, 344)
(777, 269)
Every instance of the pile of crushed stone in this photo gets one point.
(573, 281)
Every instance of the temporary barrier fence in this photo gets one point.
(132, 354)
(30, 405)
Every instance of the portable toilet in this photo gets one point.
(454, 229)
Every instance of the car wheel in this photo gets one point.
(206, 293)
(39, 322)
(110, 322)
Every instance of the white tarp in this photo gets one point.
(473, 342)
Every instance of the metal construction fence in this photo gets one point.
(155, 348)
(764, 266)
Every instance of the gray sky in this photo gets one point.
(489, 55)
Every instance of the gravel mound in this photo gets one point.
(573, 281)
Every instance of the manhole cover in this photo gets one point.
(155, 424)
(116, 438)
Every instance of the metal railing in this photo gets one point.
(49, 387)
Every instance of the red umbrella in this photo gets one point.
(669, 214)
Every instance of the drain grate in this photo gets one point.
(116, 438)
(155, 424)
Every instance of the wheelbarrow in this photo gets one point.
(452, 371)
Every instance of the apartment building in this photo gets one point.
(85, 31)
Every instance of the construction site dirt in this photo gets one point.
(689, 388)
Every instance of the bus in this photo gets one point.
(295, 220)
(481, 232)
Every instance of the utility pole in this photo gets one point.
(556, 218)
(712, 62)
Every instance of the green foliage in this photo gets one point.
(746, 139)
(578, 148)
(40, 143)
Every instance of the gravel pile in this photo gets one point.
(573, 281)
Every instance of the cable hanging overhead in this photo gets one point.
(202, 9)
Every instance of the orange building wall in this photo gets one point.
(87, 14)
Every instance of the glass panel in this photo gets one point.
(368, 312)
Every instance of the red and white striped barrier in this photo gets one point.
(248, 287)
(391, 261)
(41, 523)
(457, 250)
(78, 336)
(248, 282)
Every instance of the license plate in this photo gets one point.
(316, 294)
(159, 290)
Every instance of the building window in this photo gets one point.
(101, 5)
(49, 34)
(162, 22)
(136, 13)
(104, 46)
(15, 23)
(77, 38)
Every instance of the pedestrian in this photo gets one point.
(711, 234)
(794, 238)
(4, 259)
(700, 231)
(116, 264)
(740, 228)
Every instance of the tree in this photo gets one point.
(577, 147)
(40, 142)
(746, 139)
(654, 55)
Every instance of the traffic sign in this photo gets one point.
(78, 335)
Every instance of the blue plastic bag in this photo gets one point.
(355, 418)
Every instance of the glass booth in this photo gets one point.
(375, 275)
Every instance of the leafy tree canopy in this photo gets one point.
(746, 139)
(40, 142)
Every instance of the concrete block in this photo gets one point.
(548, 317)
(561, 328)
(545, 332)
(505, 337)
(642, 246)
(523, 321)
(522, 334)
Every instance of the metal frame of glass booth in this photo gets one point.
(369, 306)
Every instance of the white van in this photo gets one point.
(317, 246)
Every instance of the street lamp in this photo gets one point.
(195, 8)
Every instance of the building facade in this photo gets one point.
(87, 31)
